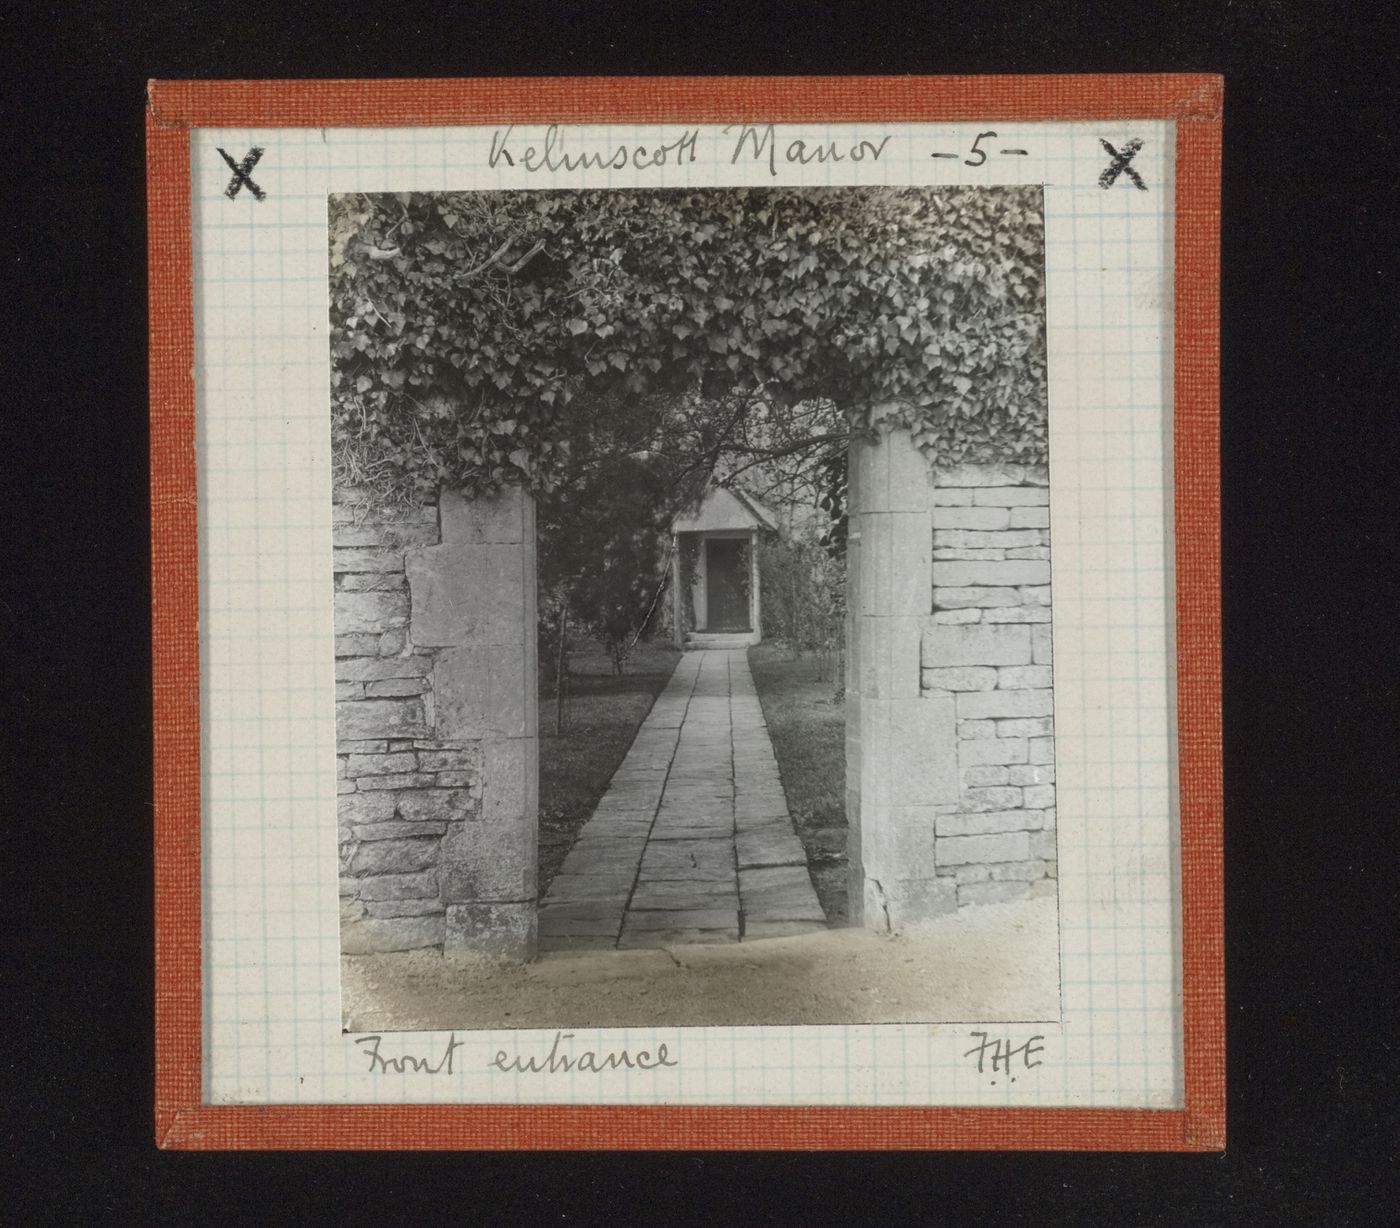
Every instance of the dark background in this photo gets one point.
(1311, 742)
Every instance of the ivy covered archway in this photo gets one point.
(466, 325)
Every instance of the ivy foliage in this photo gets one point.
(465, 324)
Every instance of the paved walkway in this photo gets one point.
(692, 842)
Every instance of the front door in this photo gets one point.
(727, 568)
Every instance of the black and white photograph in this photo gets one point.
(692, 607)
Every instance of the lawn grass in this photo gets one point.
(602, 717)
(808, 728)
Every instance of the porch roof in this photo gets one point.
(724, 508)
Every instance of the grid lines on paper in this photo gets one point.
(272, 999)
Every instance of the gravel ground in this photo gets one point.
(997, 961)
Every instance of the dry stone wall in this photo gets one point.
(986, 646)
(435, 724)
(950, 793)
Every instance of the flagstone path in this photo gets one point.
(692, 842)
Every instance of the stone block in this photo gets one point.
(469, 595)
(955, 599)
(1019, 871)
(419, 886)
(969, 731)
(377, 535)
(403, 780)
(484, 518)
(981, 776)
(506, 931)
(779, 893)
(349, 690)
(680, 896)
(1040, 646)
(964, 850)
(976, 644)
(991, 893)
(770, 846)
(1035, 594)
(1030, 517)
(990, 473)
(435, 805)
(1023, 677)
(445, 585)
(371, 581)
(971, 539)
(1029, 552)
(1041, 796)
(1017, 614)
(987, 519)
(572, 888)
(377, 669)
(1043, 844)
(366, 560)
(1032, 774)
(365, 808)
(394, 856)
(1005, 574)
(911, 901)
(923, 756)
(683, 919)
(950, 618)
(396, 828)
(1001, 797)
(984, 705)
(395, 687)
(988, 823)
(405, 908)
(479, 691)
(508, 770)
(1011, 496)
(1042, 750)
(952, 497)
(378, 765)
(890, 474)
(447, 760)
(485, 860)
(369, 613)
(508, 595)
(960, 678)
(360, 644)
(895, 557)
(373, 935)
(1029, 727)
(371, 718)
(960, 553)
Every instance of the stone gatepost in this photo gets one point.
(901, 749)
(473, 599)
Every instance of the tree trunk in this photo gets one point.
(560, 664)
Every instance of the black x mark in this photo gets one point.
(1119, 165)
(241, 169)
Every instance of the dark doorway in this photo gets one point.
(727, 584)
